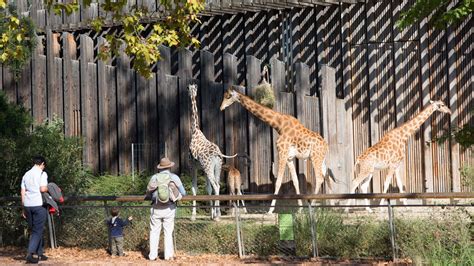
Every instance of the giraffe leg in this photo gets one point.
(386, 184)
(364, 187)
(209, 192)
(398, 178)
(239, 192)
(281, 171)
(215, 209)
(216, 185)
(365, 175)
(194, 189)
(318, 172)
(294, 177)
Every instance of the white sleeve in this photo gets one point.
(23, 186)
(44, 179)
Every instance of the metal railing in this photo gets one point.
(293, 230)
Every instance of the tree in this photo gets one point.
(17, 34)
(440, 13)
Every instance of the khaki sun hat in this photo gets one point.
(165, 163)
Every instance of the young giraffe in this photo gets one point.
(294, 141)
(234, 182)
(389, 152)
(209, 156)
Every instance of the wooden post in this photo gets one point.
(259, 136)
(235, 126)
(39, 92)
(185, 78)
(125, 112)
(89, 104)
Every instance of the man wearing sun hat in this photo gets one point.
(162, 215)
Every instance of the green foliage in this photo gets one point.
(17, 39)
(14, 132)
(63, 155)
(18, 144)
(439, 12)
(139, 42)
(444, 239)
(111, 185)
(467, 177)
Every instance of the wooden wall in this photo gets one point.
(377, 78)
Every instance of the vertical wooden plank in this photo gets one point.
(408, 105)
(333, 123)
(126, 112)
(168, 116)
(360, 98)
(185, 78)
(24, 87)
(70, 86)
(54, 86)
(284, 105)
(259, 138)
(147, 122)
(39, 91)
(302, 91)
(211, 96)
(106, 115)
(9, 85)
(89, 105)
(235, 123)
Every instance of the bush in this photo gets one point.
(20, 141)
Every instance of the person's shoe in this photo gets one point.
(31, 260)
(43, 257)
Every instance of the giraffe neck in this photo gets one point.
(415, 123)
(267, 115)
(195, 117)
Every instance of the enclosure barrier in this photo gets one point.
(293, 230)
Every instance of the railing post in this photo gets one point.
(239, 233)
(133, 164)
(314, 240)
(392, 229)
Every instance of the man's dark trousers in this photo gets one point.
(36, 217)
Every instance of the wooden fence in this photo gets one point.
(376, 78)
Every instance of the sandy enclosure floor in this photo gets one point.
(76, 256)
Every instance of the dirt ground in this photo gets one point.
(75, 256)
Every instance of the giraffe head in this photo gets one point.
(192, 89)
(230, 96)
(440, 106)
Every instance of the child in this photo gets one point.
(116, 225)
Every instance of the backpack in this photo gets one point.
(159, 188)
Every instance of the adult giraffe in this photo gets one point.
(389, 152)
(294, 140)
(208, 155)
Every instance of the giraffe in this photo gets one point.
(208, 155)
(234, 182)
(294, 140)
(389, 152)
